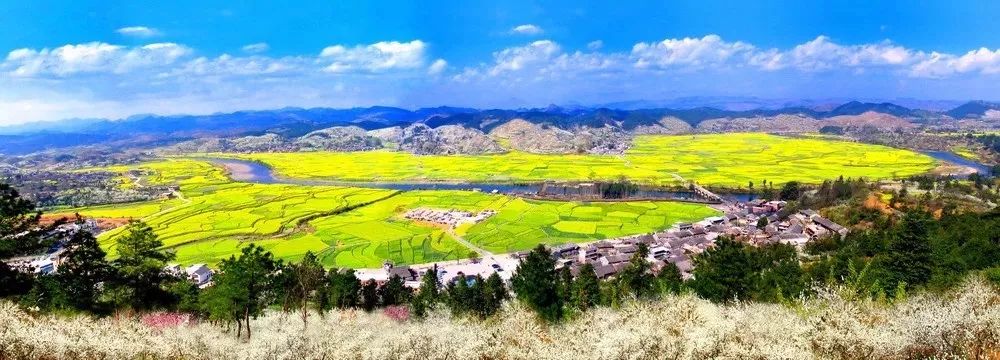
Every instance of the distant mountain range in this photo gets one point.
(295, 122)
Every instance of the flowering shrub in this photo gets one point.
(397, 312)
(164, 320)
(961, 324)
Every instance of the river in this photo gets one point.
(255, 172)
(953, 158)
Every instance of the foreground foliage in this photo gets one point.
(964, 323)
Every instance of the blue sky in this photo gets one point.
(111, 59)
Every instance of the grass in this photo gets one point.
(731, 160)
(360, 227)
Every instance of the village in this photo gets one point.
(757, 222)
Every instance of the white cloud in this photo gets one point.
(92, 57)
(380, 56)
(823, 54)
(938, 65)
(527, 29)
(256, 48)
(517, 58)
(138, 31)
(695, 53)
(437, 67)
(595, 45)
(227, 65)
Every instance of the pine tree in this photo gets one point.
(394, 292)
(494, 293)
(636, 278)
(669, 280)
(308, 283)
(82, 271)
(428, 294)
(139, 267)
(586, 288)
(344, 288)
(369, 295)
(536, 284)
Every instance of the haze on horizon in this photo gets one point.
(68, 59)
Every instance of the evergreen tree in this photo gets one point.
(139, 267)
(724, 272)
(494, 294)
(909, 257)
(669, 280)
(369, 295)
(243, 287)
(19, 234)
(83, 270)
(586, 288)
(536, 284)
(636, 279)
(565, 284)
(428, 294)
(344, 288)
(459, 295)
(308, 283)
(394, 292)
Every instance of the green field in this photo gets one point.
(359, 227)
(730, 160)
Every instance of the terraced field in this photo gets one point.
(359, 227)
(368, 235)
(721, 159)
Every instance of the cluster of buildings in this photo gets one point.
(48, 263)
(451, 218)
(757, 222)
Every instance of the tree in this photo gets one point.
(791, 191)
(909, 257)
(369, 295)
(586, 288)
(535, 283)
(669, 280)
(19, 234)
(19, 228)
(565, 284)
(459, 295)
(83, 270)
(724, 272)
(308, 282)
(344, 288)
(394, 292)
(243, 287)
(762, 222)
(139, 267)
(636, 278)
(428, 294)
(494, 294)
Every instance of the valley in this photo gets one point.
(332, 204)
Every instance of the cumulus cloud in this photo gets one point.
(527, 29)
(692, 53)
(437, 67)
(256, 48)
(377, 57)
(938, 65)
(138, 31)
(94, 57)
